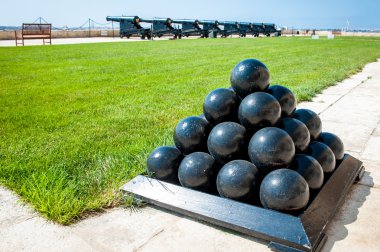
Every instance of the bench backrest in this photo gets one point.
(36, 29)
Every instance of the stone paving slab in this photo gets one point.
(123, 229)
(372, 149)
(21, 229)
(356, 226)
(320, 102)
(353, 115)
(349, 110)
(371, 175)
(354, 136)
(190, 235)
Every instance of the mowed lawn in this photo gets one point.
(78, 121)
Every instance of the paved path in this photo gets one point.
(63, 41)
(350, 109)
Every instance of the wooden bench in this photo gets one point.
(34, 31)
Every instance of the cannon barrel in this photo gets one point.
(229, 23)
(246, 24)
(189, 21)
(163, 20)
(120, 18)
(210, 22)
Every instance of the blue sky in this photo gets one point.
(291, 13)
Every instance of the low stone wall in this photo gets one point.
(9, 35)
(6, 35)
(366, 34)
(325, 33)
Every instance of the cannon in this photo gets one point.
(257, 29)
(271, 29)
(230, 28)
(245, 28)
(163, 26)
(130, 26)
(210, 28)
(266, 29)
(189, 27)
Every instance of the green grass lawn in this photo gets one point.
(78, 121)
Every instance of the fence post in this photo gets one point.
(89, 27)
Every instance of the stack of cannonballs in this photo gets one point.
(251, 145)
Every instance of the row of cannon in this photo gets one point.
(178, 28)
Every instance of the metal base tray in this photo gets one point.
(285, 232)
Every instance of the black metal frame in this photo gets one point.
(285, 232)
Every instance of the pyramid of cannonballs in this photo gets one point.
(251, 144)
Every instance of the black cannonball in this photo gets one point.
(271, 148)
(334, 142)
(191, 134)
(311, 120)
(249, 76)
(259, 110)
(198, 171)
(227, 141)
(238, 180)
(221, 105)
(323, 154)
(284, 190)
(163, 163)
(297, 131)
(285, 97)
(309, 168)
